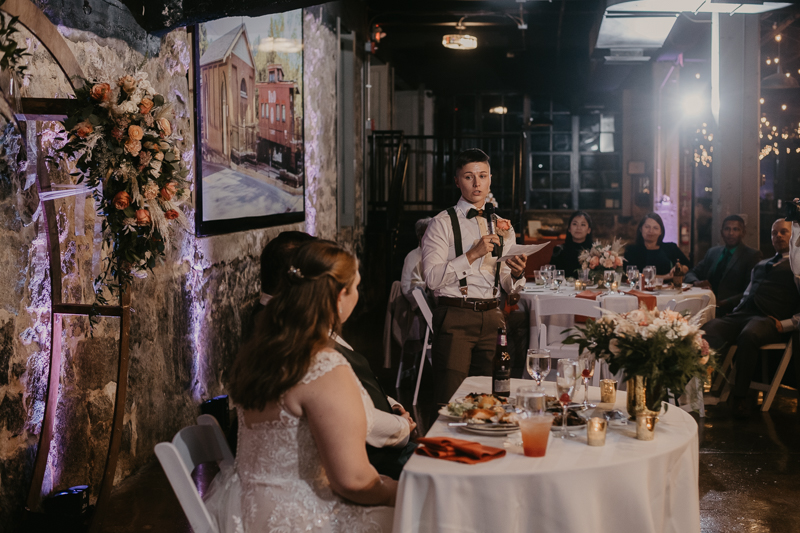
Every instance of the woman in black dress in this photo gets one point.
(579, 238)
(651, 250)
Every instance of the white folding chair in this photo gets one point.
(569, 307)
(425, 309)
(688, 306)
(192, 446)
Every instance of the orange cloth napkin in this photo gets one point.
(647, 299)
(588, 294)
(462, 451)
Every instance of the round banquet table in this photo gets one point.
(619, 303)
(626, 485)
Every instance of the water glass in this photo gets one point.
(558, 279)
(633, 276)
(566, 380)
(649, 274)
(531, 400)
(584, 276)
(537, 277)
(538, 363)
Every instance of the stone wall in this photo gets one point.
(190, 313)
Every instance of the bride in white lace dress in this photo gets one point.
(301, 463)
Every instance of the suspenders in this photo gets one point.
(460, 251)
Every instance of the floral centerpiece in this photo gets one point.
(120, 142)
(601, 257)
(664, 347)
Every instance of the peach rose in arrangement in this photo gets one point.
(158, 156)
(618, 262)
(128, 84)
(101, 92)
(172, 214)
(121, 200)
(593, 262)
(503, 224)
(145, 106)
(164, 126)
(133, 147)
(169, 191)
(142, 217)
(84, 129)
(135, 132)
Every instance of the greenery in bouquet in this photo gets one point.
(120, 142)
(601, 257)
(663, 346)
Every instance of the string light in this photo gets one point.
(777, 60)
(761, 101)
(697, 75)
(783, 107)
(778, 37)
(769, 61)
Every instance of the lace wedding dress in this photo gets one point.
(278, 484)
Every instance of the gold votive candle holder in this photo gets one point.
(596, 431)
(646, 425)
(608, 391)
(579, 286)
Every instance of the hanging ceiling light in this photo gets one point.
(779, 80)
(460, 41)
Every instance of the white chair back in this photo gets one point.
(688, 306)
(425, 309)
(192, 446)
(562, 306)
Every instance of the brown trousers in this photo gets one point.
(464, 343)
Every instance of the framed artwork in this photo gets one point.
(249, 117)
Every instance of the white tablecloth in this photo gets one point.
(627, 485)
(620, 303)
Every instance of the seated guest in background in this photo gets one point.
(579, 238)
(301, 462)
(650, 248)
(412, 266)
(388, 444)
(726, 269)
(768, 312)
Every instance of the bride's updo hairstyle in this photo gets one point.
(296, 324)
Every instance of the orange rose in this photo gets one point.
(503, 224)
(142, 217)
(133, 147)
(164, 126)
(128, 84)
(101, 92)
(169, 191)
(83, 129)
(135, 132)
(145, 106)
(171, 214)
(122, 200)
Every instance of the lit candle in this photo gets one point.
(646, 425)
(608, 391)
(596, 431)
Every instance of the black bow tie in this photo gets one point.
(472, 213)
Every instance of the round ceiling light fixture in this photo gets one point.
(459, 41)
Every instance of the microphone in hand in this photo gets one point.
(488, 213)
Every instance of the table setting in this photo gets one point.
(605, 478)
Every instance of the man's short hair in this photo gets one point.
(471, 155)
(420, 226)
(733, 218)
(276, 257)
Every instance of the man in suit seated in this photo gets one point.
(768, 313)
(726, 269)
(388, 445)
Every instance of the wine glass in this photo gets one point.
(566, 379)
(633, 276)
(649, 274)
(608, 277)
(586, 363)
(547, 276)
(538, 363)
(558, 279)
(537, 277)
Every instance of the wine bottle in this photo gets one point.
(501, 366)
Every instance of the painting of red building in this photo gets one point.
(278, 142)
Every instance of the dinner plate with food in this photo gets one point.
(574, 421)
(483, 414)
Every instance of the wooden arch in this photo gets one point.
(35, 110)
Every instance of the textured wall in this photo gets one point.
(189, 314)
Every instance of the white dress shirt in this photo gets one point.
(389, 430)
(443, 270)
(411, 277)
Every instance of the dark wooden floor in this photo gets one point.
(749, 471)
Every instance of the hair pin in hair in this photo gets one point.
(295, 273)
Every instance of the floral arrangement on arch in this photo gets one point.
(121, 143)
(663, 346)
(601, 257)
